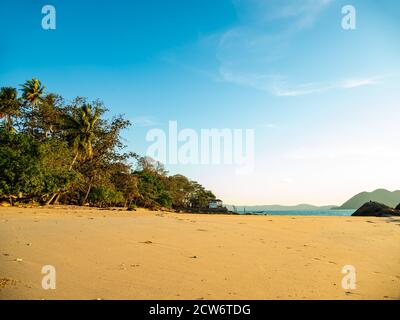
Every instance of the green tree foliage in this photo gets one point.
(71, 153)
(105, 197)
(152, 190)
(157, 189)
(30, 169)
(200, 196)
(181, 190)
(32, 92)
(48, 117)
(9, 106)
(125, 182)
(80, 128)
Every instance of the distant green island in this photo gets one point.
(389, 198)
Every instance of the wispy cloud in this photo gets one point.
(360, 82)
(278, 85)
(299, 90)
(250, 55)
(310, 88)
(144, 121)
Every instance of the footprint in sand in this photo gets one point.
(4, 282)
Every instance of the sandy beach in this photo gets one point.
(112, 254)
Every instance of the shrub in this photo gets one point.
(105, 197)
(30, 169)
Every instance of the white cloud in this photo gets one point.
(305, 89)
(252, 55)
(355, 83)
(299, 90)
(144, 121)
(278, 85)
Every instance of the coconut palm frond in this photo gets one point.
(32, 92)
(80, 127)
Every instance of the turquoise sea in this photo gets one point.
(344, 213)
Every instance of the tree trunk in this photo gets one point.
(87, 192)
(8, 123)
(51, 199)
(73, 162)
(57, 197)
(58, 193)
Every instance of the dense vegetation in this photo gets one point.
(57, 152)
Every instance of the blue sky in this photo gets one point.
(323, 101)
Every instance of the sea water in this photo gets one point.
(302, 212)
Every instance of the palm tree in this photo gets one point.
(81, 131)
(80, 128)
(48, 114)
(32, 92)
(9, 106)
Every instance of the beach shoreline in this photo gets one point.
(142, 254)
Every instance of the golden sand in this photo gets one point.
(106, 254)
